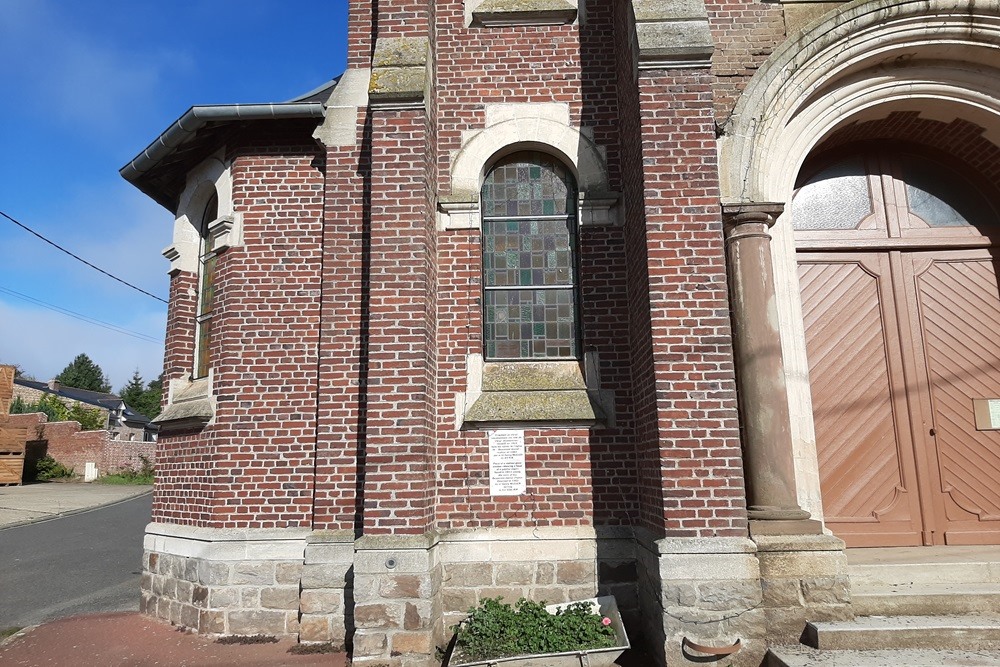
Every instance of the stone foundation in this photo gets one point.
(803, 578)
(705, 589)
(223, 582)
(393, 600)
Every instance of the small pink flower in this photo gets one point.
(605, 621)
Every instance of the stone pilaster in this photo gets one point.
(326, 596)
(803, 578)
(704, 589)
(396, 580)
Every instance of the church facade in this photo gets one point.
(665, 299)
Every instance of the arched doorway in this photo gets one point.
(898, 263)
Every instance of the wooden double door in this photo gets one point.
(902, 322)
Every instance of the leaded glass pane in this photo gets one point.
(836, 198)
(528, 184)
(530, 324)
(522, 253)
(934, 194)
(207, 285)
(204, 346)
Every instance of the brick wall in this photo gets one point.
(67, 444)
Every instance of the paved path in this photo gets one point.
(85, 562)
(131, 640)
(21, 505)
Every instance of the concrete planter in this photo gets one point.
(604, 657)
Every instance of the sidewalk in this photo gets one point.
(21, 505)
(133, 640)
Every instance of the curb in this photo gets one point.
(17, 635)
(81, 510)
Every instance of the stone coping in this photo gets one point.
(772, 543)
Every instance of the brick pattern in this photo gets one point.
(701, 476)
(67, 444)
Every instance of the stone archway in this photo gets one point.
(936, 61)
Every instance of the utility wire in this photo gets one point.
(80, 259)
(82, 317)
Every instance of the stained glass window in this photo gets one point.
(529, 260)
(206, 289)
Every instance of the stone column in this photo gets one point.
(760, 374)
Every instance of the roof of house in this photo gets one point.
(160, 170)
(95, 398)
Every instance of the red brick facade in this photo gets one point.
(347, 336)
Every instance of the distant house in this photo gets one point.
(121, 421)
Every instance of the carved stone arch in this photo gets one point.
(211, 177)
(574, 148)
(862, 62)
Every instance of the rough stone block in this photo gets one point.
(152, 561)
(549, 594)
(375, 616)
(413, 619)
(322, 575)
(287, 573)
(458, 599)
(190, 616)
(826, 590)
(279, 597)
(508, 574)
(320, 601)
(394, 587)
(722, 596)
(211, 622)
(190, 569)
(510, 594)
(575, 572)
(781, 592)
(222, 598)
(213, 574)
(313, 628)
(258, 621)
(292, 622)
(261, 574)
(368, 643)
(184, 590)
(412, 642)
(250, 597)
(684, 595)
(545, 573)
(468, 574)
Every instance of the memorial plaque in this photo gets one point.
(507, 470)
(987, 411)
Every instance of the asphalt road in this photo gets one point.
(79, 564)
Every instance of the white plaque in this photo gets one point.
(994, 404)
(507, 472)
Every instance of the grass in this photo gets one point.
(8, 632)
(126, 478)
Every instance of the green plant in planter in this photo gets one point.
(495, 629)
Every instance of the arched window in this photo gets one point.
(206, 289)
(530, 289)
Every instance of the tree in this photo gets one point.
(144, 399)
(132, 392)
(83, 373)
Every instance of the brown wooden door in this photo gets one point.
(902, 321)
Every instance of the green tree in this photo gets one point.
(83, 373)
(133, 391)
(144, 399)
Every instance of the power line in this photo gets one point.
(82, 317)
(78, 258)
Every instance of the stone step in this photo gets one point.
(925, 599)
(937, 565)
(956, 632)
(804, 656)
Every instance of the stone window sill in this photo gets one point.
(189, 407)
(532, 394)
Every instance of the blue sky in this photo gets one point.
(85, 87)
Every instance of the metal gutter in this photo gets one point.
(197, 117)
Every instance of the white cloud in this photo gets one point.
(43, 342)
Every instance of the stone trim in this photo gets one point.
(211, 176)
(190, 405)
(500, 13)
(340, 125)
(400, 72)
(672, 34)
(529, 394)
